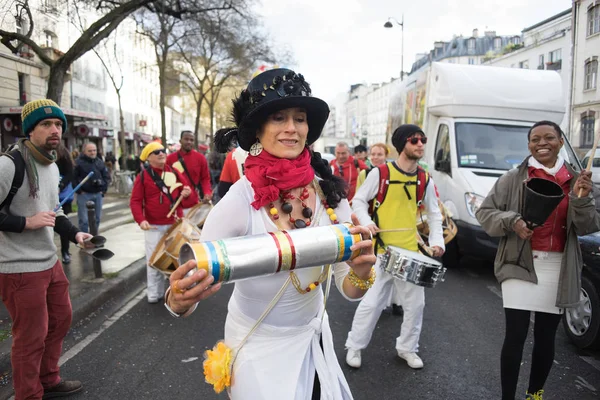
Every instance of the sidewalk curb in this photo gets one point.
(85, 304)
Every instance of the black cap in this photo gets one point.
(402, 133)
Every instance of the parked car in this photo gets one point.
(582, 323)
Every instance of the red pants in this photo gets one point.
(40, 308)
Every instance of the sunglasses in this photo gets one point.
(340, 170)
(157, 152)
(415, 139)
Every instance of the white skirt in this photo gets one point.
(540, 297)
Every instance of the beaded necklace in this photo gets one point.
(287, 197)
(286, 206)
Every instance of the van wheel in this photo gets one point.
(582, 323)
(451, 257)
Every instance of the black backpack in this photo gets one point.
(19, 162)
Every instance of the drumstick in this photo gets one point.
(175, 206)
(76, 188)
(592, 154)
(396, 230)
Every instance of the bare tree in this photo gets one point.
(115, 12)
(117, 80)
(163, 35)
(166, 32)
(108, 53)
(220, 51)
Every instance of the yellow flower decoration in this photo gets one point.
(217, 366)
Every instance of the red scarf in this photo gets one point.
(269, 175)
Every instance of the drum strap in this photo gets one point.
(198, 186)
(159, 183)
(384, 183)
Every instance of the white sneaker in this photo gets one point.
(412, 359)
(353, 358)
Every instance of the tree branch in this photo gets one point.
(8, 37)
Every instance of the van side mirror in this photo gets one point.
(441, 164)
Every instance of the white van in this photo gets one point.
(477, 119)
(595, 165)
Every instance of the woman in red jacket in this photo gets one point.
(155, 190)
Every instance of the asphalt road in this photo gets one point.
(143, 353)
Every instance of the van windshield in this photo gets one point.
(595, 162)
(495, 146)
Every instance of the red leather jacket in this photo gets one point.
(552, 236)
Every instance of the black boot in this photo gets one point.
(66, 258)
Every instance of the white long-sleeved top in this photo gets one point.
(368, 191)
(280, 358)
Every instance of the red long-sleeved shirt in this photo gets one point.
(552, 236)
(197, 166)
(145, 202)
(349, 173)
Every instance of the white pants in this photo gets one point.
(395, 297)
(156, 280)
(412, 298)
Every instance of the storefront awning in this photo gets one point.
(76, 114)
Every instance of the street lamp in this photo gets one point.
(389, 24)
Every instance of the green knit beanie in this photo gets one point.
(38, 110)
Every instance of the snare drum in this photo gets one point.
(412, 267)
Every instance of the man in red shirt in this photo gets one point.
(154, 193)
(233, 169)
(193, 165)
(347, 167)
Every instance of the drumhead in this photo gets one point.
(197, 215)
(413, 255)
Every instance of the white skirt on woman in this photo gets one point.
(540, 297)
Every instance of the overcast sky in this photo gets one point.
(336, 43)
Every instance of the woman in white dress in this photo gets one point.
(546, 277)
(290, 354)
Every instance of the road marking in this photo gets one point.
(592, 361)
(495, 290)
(583, 383)
(73, 351)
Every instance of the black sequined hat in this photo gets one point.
(271, 91)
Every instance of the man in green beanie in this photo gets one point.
(33, 285)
